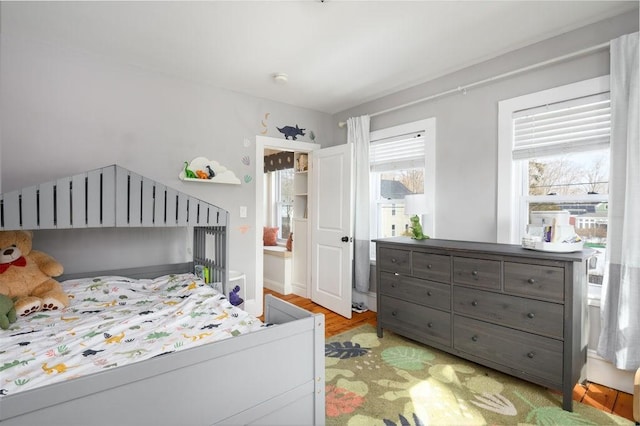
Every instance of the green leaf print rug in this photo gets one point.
(396, 381)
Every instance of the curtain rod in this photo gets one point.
(463, 89)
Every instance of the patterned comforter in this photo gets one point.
(112, 321)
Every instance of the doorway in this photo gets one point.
(264, 145)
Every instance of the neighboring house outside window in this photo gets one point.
(554, 155)
(402, 162)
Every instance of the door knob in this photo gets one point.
(345, 239)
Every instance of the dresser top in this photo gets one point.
(456, 246)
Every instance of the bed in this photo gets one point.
(269, 372)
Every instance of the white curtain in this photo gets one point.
(358, 135)
(620, 334)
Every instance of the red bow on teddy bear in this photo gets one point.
(21, 261)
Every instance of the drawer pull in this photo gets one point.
(474, 338)
(396, 274)
(430, 325)
(393, 260)
(429, 266)
(474, 273)
(428, 293)
(531, 281)
(530, 355)
(394, 313)
(531, 315)
(474, 303)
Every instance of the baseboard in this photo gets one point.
(276, 286)
(604, 373)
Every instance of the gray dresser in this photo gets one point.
(518, 311)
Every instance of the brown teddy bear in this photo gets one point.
(25, 275)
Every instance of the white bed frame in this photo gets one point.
(274, 376)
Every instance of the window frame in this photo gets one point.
(428, 126)
(509, 213)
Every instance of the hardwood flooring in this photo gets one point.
(593, 394)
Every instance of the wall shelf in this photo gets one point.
(222, 174)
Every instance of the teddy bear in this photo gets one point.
(26, 275)
(7, 312)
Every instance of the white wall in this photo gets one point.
(467, 125)
(66, 111)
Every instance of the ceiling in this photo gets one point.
(337, 54)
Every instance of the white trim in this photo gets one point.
(506, 211)
(255, 306)
(603, 372)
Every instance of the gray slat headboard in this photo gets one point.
(113, 196)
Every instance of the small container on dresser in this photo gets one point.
(518, 311)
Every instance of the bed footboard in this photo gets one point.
(272, 376)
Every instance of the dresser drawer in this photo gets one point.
(415, 290)
(420, 322)
(476, 272)
(394, 260)
(530, 354)
(535, 316)
(436, 267)
(545, 282)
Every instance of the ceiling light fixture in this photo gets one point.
(280, 78)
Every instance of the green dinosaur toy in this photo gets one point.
(7, 311)
(416, 229)
(189, 173)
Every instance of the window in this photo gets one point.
(402, 161)
(279, 190)
(554, 150)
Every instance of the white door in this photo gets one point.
(332, 228)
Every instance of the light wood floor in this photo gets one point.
(593, 394)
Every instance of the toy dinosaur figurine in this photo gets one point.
(202, 174)
(416, 229)
(234, 296)
(189, 173)
(212, 174)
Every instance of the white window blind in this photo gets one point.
(401, 152)
(580, 124)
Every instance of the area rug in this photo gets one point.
(396, 381)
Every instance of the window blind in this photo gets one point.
(575, 125)
(400, 152)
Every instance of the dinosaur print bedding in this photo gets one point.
(112, 321)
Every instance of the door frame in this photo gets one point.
(262, 143)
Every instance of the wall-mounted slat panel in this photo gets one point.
(78, 202)
(108, 196)
(30, 207)
(63, 203)
(182, 209)
(122, 197)
(147, 202)
(46, 209)
(11, 210)
(94, 199)
(159, 205)
(135, 198)
(193, 211)
(172, 207)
